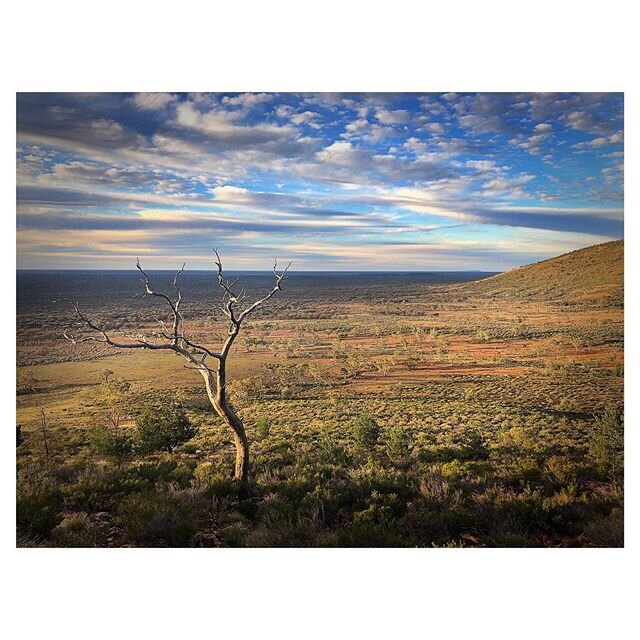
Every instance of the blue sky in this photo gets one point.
(331, 181)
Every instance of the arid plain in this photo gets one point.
(381, 411)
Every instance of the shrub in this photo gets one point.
(607, 532)
(81, 530)
(263, 427)
(453, 470)
(366, 430)
(26, 384)
(115, 397)
(507, 516)
(397, 443)
(524, 470)
(111, 442)
(38, 503)
(381, 510)
(209, 480)
(562, 509)
(606, 442)
(374, 526)
(329, 448)
(472, 445)
(159, 519)
(99, 489)
(164, 427)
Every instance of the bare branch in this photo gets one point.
(177, 315)
(277, 287)
(150, 292)
(230, 297)
(199, 347)
(105, 338)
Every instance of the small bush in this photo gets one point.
(38, 503)
(606, 443)
(81, 530)
(112, 443)
(472, 445)
(159, 519)
(329, 448)
(164, 427)
(209, 480)
(366, 430)
(397, 443)
(263, 427)
(607, 532)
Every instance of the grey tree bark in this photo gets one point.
(197, 354)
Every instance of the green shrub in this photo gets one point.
(81, 530)
(164, 427)
(472, 445)
(397, 443)
(159, 519)
(524, 470)
(329, 448)
(263, 427)
(503, 513)
(606, 442)
(38, 503)
(453, 470)
(208, 479)
(382, 510)
(366, 430)
(113, 443)
(100, 489)
(374, 526)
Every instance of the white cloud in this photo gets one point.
(340, 152)
(283, 111)
(580, 120)
(247, 100)
(153, 101)
(503, 187)
(229, 193)
(399, 116)
(433, 127)
(306, 117)
(224, 125)
(603, 141)
(357, 126)
(481, 165)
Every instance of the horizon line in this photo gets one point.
(271, 271)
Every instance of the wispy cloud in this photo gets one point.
(331, 180)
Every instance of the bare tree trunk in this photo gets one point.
(43, 427)
(242, 463)
(216, 390)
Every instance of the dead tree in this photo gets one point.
(215, 377)
(43, 428)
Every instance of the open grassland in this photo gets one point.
(400, 414)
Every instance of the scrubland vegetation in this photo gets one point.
(411, 415)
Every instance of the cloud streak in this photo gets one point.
(449, 172)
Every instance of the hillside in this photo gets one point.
(594, 275)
